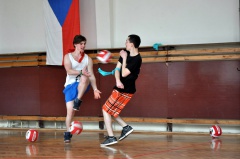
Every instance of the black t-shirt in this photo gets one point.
(133, 64)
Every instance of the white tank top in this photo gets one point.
(76, 66)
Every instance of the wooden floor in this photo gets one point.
(138, 145)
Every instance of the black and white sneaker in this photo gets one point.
(67, 137)
(125, 132)
(76, 104)
(110, 140)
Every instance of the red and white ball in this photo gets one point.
(215, 131)
(76, 127)
(32, 135)
(104, 56)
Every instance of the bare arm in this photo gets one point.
(93, 79)
(70, 71)
(68, 66)
(125, 71)
(117, 76)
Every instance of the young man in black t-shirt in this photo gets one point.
(127, 71)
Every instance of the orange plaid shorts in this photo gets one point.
(116, 102)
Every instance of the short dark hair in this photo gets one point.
(78, 39)
(135, 39)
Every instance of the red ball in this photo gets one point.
(215, 131)
(104, 56)
(76, 127)
(32, 135)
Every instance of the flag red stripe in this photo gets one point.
(71, 27)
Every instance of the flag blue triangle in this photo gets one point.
(60, 9)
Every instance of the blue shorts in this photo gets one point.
(71, 91)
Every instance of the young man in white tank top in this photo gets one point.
(79, 68)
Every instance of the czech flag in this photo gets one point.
(62, 23)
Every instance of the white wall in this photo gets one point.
(21, 26)
(176, 21)
(107, 23)
(88, 22)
